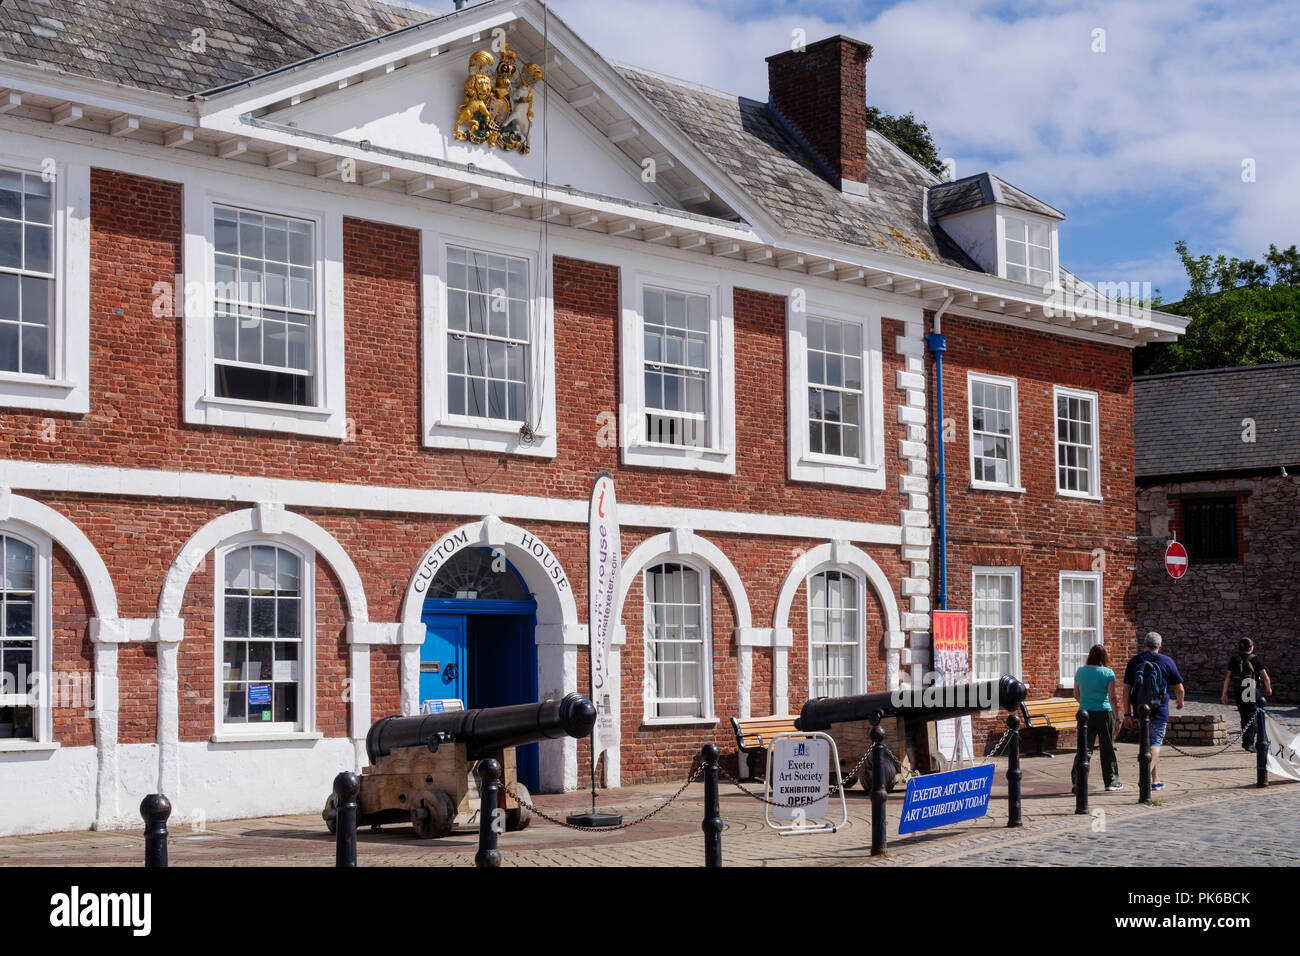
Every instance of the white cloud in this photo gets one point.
(1183, 93)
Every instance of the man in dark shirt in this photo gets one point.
(1160, 715)
(1246, 676)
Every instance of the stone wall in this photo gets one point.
(1203, 614)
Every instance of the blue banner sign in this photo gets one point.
(939, 799)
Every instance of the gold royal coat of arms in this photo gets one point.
(498, 112)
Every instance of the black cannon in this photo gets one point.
(914, 705)
(423, 768)
(911, 708)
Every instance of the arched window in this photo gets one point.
(480, 574)
(265, 620)
(835, 632)
(678, 655)
(24, 650)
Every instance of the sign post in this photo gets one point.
(604, 560)
(1176, 560)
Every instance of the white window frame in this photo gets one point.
(649, 717)
(223, 732)
(42, 646)
(327, 416)
(1013, 460)
(466, 432)
(1006, 213)
(1016, 647)
(719, 455)
(1094, 470)
(860, 657)
(67, 387)
(1067, 680)
(803, 464)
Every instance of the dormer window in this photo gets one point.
(1027, 247)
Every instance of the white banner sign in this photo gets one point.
(1283, 751)
(801, 769)
(604, 558)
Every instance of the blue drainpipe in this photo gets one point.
(938, 344)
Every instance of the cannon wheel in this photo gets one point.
(891, 774)
(519, 817)
(331, 814)
(432, 814)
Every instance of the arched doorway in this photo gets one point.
(479, 645)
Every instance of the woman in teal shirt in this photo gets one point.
(1094, 689)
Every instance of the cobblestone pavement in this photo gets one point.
(1242, 830)
(1208, 806)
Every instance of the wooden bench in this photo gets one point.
(1050, 713)
(754, 735)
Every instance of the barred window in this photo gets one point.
(1210, 530)
(1080, 620)
(265, 312)
(18, 645)
(835, 388)
(26, 272)
(995, 608)
(677, 368)
(834, 634)
(993, 431)
(676, 641)
(487, 335)
(1076, 443)
(262, 648)
(1028, 250)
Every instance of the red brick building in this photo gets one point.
(303, 394)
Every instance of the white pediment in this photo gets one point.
(414, 110)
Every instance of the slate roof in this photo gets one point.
(1191, 422)
(140, 45)
(144, 43)
(984, 189)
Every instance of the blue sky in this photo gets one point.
(1139, 145)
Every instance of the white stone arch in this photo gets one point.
(555, 604)
(44, 522)
(272, 521)
(558, 634)
(843, 555)
(682, 542)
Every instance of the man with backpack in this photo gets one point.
(1148, 679)
(1246, 675)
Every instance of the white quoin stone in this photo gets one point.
(911, 416)
(911, 381)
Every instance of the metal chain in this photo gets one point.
(1234, 738)
(699, 769)
(997, 748)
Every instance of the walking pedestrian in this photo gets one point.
(1246, 674)
(1094, 689)
(1148, 679)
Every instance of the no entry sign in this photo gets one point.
(1176, 560)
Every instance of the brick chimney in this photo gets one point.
(821, 91)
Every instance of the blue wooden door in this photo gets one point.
(443, 663)
(503, 671)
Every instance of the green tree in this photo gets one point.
(910, 135)
(1243, 312)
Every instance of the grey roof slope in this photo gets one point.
(752, 145)
(983, 189)
(1191, 422)
(145, 43)
(141, 45)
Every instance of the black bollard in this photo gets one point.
(1261, 745)
(155, 809)
(1082, 763)
(712, 825)
(1014, 773)
(878, 793)
(347, 786)
(489, 782)
(1144, 753)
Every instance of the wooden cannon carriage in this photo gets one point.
(424, 769)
